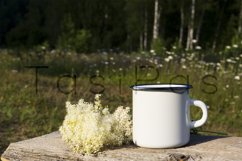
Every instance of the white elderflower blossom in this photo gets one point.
(89, 127)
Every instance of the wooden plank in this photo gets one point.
(50, 147)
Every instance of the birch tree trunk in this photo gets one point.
(141, 41)
(145, 30)
(182, 24)
(156, 20)
(240, 20)
(191, 27)
(200, 25)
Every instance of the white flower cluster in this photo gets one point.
(88, 127)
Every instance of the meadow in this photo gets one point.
(30, 108)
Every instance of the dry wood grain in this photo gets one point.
(50, 147)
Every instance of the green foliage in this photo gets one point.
(158, 46)
(234, 49)
(81, 41)
(176, 48)
(72, 39)
(83, 26)
(211, 57)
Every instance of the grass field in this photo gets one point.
(70, 76)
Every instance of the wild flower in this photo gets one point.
(137, 58)
(237, 77)
(168, 52)
(194, 41)
(43, 47)
(90, 127)
(173, 47)
(228, 47)
(53, 51)
(156, 61)
(198, 47)
(184, 67)
(152, 51)
(151, 60)
(167, 59)
(236, 97)
(170, 57)
(97, 72)
(228, 60)
(160, 65)
(198, 66)
(235, 46)
(183, 60)
(211, 64)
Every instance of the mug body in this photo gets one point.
(160, 116)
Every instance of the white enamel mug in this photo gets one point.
(161, 115)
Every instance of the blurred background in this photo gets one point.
(100, 46)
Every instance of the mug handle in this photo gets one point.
(202, 105)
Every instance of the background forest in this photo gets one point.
(127, 25)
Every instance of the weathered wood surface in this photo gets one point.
(50, 147)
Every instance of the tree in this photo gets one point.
(139, 24)
(240, 20)
(182, 15)
(191, 27)
(220, 15)
(11, 15)
(156, 20)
